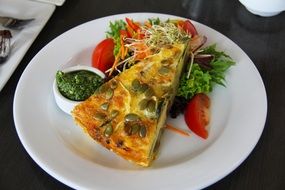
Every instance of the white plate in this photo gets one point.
(65, 152)
(23, 39)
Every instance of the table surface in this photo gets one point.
(261, 38)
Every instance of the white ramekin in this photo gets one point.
(64, 103)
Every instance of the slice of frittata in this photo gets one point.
(127, 114)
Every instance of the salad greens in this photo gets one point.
(154, 21)
(114, 33)
(220, 64)
(202, 80)
(199, 82)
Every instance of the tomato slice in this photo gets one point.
(188, 27)
(103, 56)
(197, 114)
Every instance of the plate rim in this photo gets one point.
(72, 184)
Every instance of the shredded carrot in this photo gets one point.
(117, 58)
(125, 52)
(140, 35)
(130, 30)
(137, 24)
(174, 129)
(147, 24)
(123, 49)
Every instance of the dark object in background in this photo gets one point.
(14, 23)
(5, 44)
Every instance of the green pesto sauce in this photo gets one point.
(77, 85)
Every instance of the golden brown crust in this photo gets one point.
(132, 139)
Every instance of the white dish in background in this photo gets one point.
(63, 150)
(22, 39)
(64, 103)
(264, 8)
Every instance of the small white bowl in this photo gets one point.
(64, 103)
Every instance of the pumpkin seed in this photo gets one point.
(131, 117)
(164, 70)
(114, 84)
(114, 113)
(167, 61)
(143, 104)
(151, 106)
(136, 85)
(105, 106)
(143, 88)
(109, 93)
(99, 116)
(135, 128)
(149, 92)
(142, 132)
(109, 130)
(159, 106)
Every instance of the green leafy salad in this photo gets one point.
(202, 79)
(203, 76)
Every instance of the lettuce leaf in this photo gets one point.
(114, 32)
(201, 80)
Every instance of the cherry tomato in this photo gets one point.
(103, 56)
(197, 114)
(188, 27)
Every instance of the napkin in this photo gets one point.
(22, 39)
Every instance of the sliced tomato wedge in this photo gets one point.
(197, 115)
(103, 56)
(188, 27)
